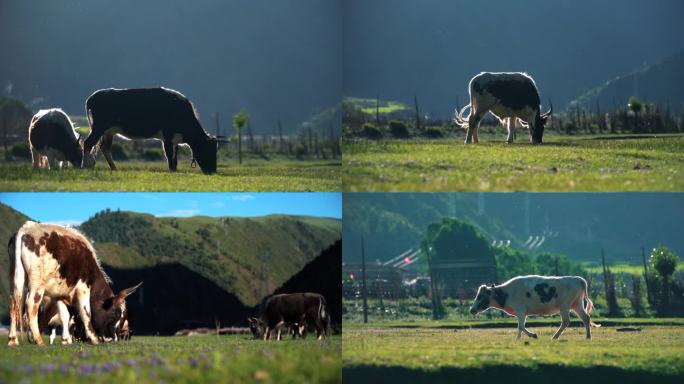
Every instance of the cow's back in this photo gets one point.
(52, 129)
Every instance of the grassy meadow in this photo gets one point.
(411, 353)
(253, 175)
(211, 359)
(562, 163)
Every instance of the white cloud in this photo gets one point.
(243, 198)
(66, 223)
(182, 212)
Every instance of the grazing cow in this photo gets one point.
(52, 139)
(538, 295)
(296, 309)
(59, 262)
(507, 95)
(142, 113)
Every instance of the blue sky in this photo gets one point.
(74, 208)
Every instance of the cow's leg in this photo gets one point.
(521, 326)
(16, 299)
(171, 152)
(267, 333)
(473, 124)
(579, 310)
(36, 157)
(64, 317)
(83, 302)
(53, 335)
(565, 318)
(106, 148)
(33, 300)
(511, 130)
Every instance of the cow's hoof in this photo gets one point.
(534, 335)
(13, 342)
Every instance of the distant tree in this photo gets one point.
(240, 121)
(664, 262)
(635, 105)
(14, 120)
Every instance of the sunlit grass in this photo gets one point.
(254, 175)
(656, 350)
(211, 359)
(562, 163)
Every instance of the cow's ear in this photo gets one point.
(129, 291)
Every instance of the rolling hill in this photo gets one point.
(659, 83)
(244, 259)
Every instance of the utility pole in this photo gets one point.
(648, 283)
(218, 130)
(364, 292)
(415, 103)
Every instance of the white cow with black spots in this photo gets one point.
(509, 96)
(538, 295)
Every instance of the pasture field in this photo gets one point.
(397, 354)
(210, 359)
(253, 176)
(562, 163)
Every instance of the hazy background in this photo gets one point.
(431, 48)
(276, 59)
(578, 225)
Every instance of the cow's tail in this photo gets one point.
(459, 119)
(590, 304)
(323, 315)
(15, 306)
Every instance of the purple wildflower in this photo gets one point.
(192, 361)
(64, 368)
(47, 368)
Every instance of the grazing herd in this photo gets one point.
(142, 113)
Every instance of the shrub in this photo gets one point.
(433, 132)
(152, 154)
(118, 152)
(371, 131)
(21, 150)
(398, 129)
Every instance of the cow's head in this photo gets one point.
(88, 160)
(204, 154)
(256, 326)
(111, 320)
(482, 300)
(539, 124)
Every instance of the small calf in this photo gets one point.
(53, 140)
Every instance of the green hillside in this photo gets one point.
(248, 257)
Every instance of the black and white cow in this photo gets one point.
(141, 113)
(295, 310)
(59, 262)
(538, 295)
(508, 96)
(53, 140)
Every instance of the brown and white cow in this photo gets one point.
(53, 140)
(538, 295)
(298, 310)
(59, 262)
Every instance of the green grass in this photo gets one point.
(562, 163)
(383, 110)
(494, 355)
(154, 176)
(235, 359)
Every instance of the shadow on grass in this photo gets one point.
(509, 374)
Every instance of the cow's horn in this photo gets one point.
(547, 114)
(129, 291)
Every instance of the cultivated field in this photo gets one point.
(254, 176)
(210, 359)
(562, 163)
(414, 352)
